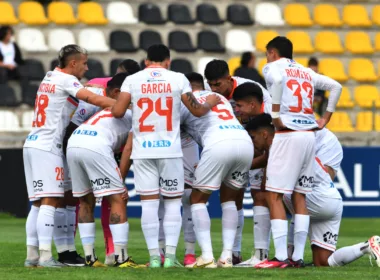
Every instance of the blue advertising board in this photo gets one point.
(358, 181)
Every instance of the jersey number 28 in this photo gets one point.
(42, 102)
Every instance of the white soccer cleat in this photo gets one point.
(252, 262)
(374, 248)
(201, 263)
(31, 263)
(227, 263)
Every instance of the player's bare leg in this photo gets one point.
(32, 254)
(108, 241)
(236, 256)
(87, 229)
(188, 227)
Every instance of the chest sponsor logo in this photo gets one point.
(32, 137)
(85, 132)
(156, 144)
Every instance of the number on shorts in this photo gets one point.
(223, 114)
(295, 86)
(60, 175)
(157, 107)
(41, 104)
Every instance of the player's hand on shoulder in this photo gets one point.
(213, 99)
(321, 123)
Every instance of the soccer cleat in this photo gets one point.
(128, 263)
(110, 260)
(274, 263)
(71, 259)
(201, 263)
(236, 259)
(51, 263)
(31, 263)
(227, 263)
(155, 262)
(374, 249)
(171, 261)
(95, 263)
(252, 262)
(297, 264)
(189, 259)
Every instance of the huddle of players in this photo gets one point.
(152, 139)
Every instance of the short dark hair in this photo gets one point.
(313, 61)
(195, 78)
(216, 69)
(259, 122)
(130, 66)
(4, 30)
(117, 80)
(283, 45)
(68, 51)
(158, 53)
(245, 58)
(245, 90)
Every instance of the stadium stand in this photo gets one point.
(180, 41)
(91, 13)
(180, 14)
(148, 38)
(268, 14)
(61, 13)
(320, 18)
(297, 15)
(238, 14)
(32, 40)
(239, 41)
(121, 41)
(150, 14)
(209, 42)
(208, 14)
(32, 13)
(121, 13)
(328, 42)
(7, 14)
(60, 37)
(181, 65)
(96, 69)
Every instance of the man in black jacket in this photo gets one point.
(247, 69)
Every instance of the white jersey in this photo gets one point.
(55, 106)
(217, 125)
(186, 140)
(156, 103)
(328, 148)
(298, 85)
(102, 133)
(86, 110)
(323, 186)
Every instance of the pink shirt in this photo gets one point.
(99, 81)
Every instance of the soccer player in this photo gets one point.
(324, 203)
(291, 159)
(220, 81)
(43, 156)
(156, 94)
(225, 161)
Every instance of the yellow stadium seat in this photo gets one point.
(7, 14)
(364, 121)
(91, 13)
(340, 122)
(297, 15)
(61, 13)
(31, 12)
(328, 42)
(358, 42)
(345, 100)
(302, 60)
(362, 70)
(233, 64)
(376, 15)
(356, 15)
(377, 122)
(366, 96)
(333, 68)
(263, 38)
(261, 64)
(377, 42)
(301, 41)
(333, 18)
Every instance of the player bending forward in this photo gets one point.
(156, 94)
(225, 161)
(324, 203)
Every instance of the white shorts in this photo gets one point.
(190, 160)
(226, 161)
(256, 179)
(67, 178)
(154, 176)
(291, 162)
(93, 172)
(325, 217)
(44, 174)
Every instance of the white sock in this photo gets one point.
(31, 234)
(301, 228)
(87, 235)
(161, 233)
(279, 233)
(202, 225)
(150, 225)
(291, 239)
(120, 240)
(172, 224)
(229, 227)
(261, 231)
(60, 230)
(70, 222)
(45, 229)
(187, 223)
(239, 233)
(348, 254)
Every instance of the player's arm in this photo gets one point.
(125, 161)
(94, 99)
(260, 161)
(325, 83)
(122, 103)
(197, 109)
(69, 130)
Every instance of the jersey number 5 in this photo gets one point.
(157, 107)
(296, 87)
(42, 102)
(223, 114)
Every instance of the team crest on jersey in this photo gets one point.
(82, 111)
(155, 74)
(75, 84)
(49, 74)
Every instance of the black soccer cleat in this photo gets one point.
(71, 259)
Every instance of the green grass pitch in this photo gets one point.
(12, 255)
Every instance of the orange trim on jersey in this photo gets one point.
(277, 189)
(262, 108)
(48, 193)
(72, 101)
(81, 192)
(233, 89)
(154, 66)
(61, 70)
(204, 187)
(100, 117)
(320, 164)
(114, 191)
(322, 244)
(104, 92)
(289, 130)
